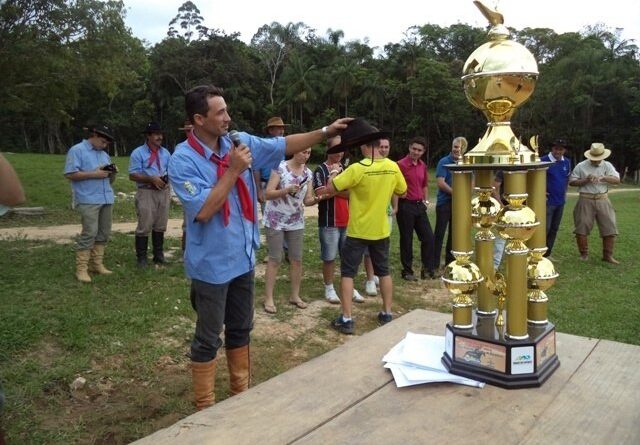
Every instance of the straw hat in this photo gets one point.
(275, 122)
(597, 152)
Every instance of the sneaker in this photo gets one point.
(384, 318)
(331, 296)
(342, 326)
(376, 280)
(370, 288)
(357, 297)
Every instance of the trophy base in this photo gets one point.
(483, 353)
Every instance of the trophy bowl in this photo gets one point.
(541, 274)
(498, 77)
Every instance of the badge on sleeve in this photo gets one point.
(189, 188)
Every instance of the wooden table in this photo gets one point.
(346, 397)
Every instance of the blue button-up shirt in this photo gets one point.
(216, 253)
(139, 162)
(83, 157)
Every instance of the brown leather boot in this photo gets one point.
(583, 246)
(607, 249)
(239, 369)
(204, 377)
(95, 261)
(82, 264)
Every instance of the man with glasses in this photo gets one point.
(89, 168)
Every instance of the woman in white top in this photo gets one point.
(289, 189)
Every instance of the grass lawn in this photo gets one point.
(126, 335)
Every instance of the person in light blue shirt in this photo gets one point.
(89, 168)
(212, 176)
(148, 168)
(444, 180)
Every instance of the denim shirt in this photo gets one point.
(83, 157)
(216, 253)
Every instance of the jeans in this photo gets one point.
(554, 217)
(443, 220)
(227, 305)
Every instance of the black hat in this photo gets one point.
(357, 133)
(102, 130)
(153, 127)
(560, 142)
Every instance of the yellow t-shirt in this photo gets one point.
(370, 189)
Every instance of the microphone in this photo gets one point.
(235, 137)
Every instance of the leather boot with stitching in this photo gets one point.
(239, 369)
(204, 377)
(607, 249)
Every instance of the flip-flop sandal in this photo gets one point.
(299, 304)
(269, 308)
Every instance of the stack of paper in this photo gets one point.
(417, 359)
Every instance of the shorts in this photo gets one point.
(354, 249)
(331, 242)
(276, 238)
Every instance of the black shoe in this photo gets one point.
(157, 239)
(142, 261)
(342, 326)
(409, 277)
(427, 274)
(384, 318)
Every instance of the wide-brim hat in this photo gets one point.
(357, 133)
(102, 130)
(153, 127)
(275, 122)
(597, 152)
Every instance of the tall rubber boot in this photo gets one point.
(583, 246)
(157, 239)
(95, 260)
(142, 242)
(82, 266)
(204, 377)
(607, 249)
(239, 369)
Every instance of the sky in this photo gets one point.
(383, 22)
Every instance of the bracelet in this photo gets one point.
(325, 132)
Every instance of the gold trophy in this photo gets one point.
(508, 340)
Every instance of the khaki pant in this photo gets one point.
(96, 224)
(152, 208)
(587, 211)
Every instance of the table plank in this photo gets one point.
(600, 404)
(448, 413)
(291, 404)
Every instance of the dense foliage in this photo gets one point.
(69, 62)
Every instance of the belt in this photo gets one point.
(412, 201)
(594, 195)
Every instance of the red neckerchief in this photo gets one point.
(155, 150)
(243, 192)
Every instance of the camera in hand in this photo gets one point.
(110, 168)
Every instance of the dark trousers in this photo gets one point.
(412, 215)
(443, 220)
(554, 218)
(227, 306)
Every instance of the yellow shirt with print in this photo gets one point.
(370, 186)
